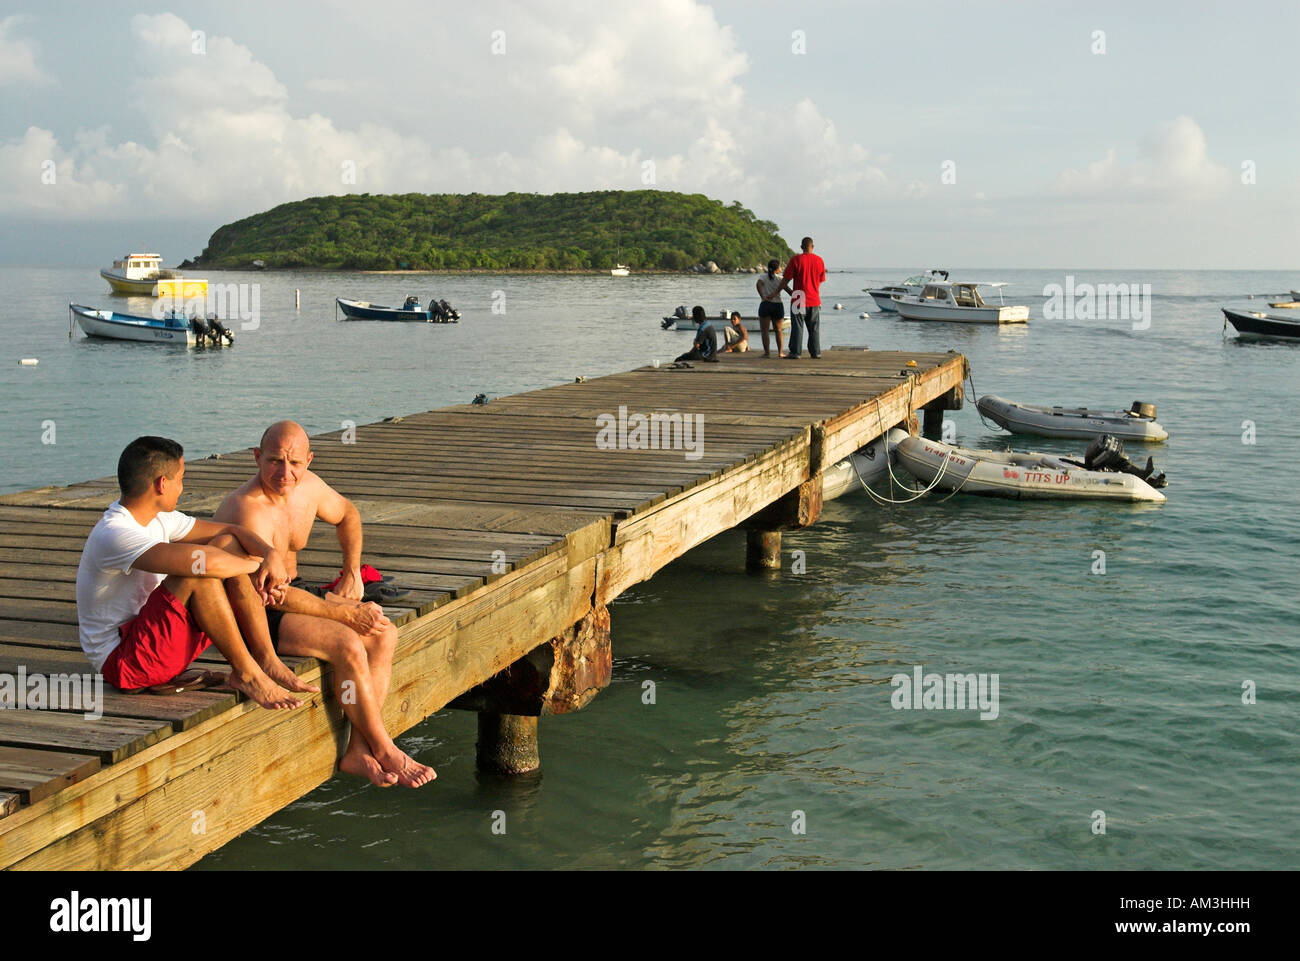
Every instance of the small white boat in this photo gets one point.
(1000, 473)
(885, 296)
(1137, 423)
(619, 270)
(959, 303)
(750, 323)
(870, 463)
(173, 329)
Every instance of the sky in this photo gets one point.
(1016, 135)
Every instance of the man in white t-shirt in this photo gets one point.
(155, 586)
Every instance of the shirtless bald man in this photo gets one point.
(280, 504)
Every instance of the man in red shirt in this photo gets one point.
(805, 272)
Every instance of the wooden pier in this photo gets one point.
(514, 524)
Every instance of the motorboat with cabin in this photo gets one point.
(885, 296)
(142, 275)
(960, 303)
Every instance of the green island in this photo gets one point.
(642, 229)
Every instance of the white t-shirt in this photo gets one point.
(769, 285)
(109, 592)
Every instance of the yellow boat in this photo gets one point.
(142, 275)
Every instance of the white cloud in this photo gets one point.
(18, 57)
(1172, 163)
(581, 102)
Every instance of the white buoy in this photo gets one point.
(29, 361)
(655, 362)
(839, 306)
(297, 299)
(863, 315)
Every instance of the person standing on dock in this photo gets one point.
(771, 310)
(156, 587)
(806, 272)
(280, 503)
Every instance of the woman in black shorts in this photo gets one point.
(770, 308)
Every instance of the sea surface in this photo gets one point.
(1162, 695)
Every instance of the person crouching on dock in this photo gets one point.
(156, 587)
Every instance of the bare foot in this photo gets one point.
(281, 673)
(361, 764)
(409, 771)
(264, 691)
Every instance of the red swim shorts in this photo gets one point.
(159, 643)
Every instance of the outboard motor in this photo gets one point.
(200, 328)
(1139, 409)
(448, 311)
(1106, 453)
(479, 399)
(220, 332)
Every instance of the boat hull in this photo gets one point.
(177, 288)
(114, 326)
(884, 299)
(1255, 324)
(359, 310)
(870, 463)
(952, 314)
(1029, 476)
(1079, 423)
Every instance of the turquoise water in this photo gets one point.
(1119, 692)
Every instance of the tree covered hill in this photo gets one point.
(644, 229)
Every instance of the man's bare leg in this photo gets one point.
(206, 599)
(384, 764)
(251, 617)
(379, 644)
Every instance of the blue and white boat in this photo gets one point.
(439, 312)
(173, 329)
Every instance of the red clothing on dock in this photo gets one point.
(808, 271)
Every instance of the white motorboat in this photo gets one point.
(1137, 423)
(959, 303)
(619, 270)
(1000, 473)
(870, 463)
(885, 296)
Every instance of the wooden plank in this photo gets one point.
(109, 738)
(34, 775)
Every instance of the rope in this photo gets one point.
(970, 376)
